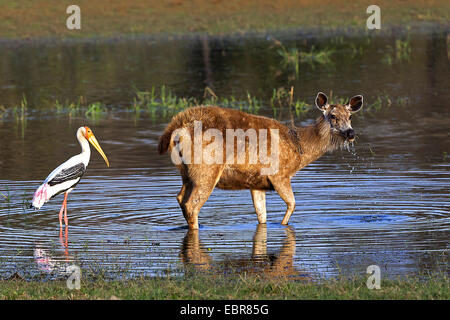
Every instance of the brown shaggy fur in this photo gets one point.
(298, 147)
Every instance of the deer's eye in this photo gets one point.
(332, 116)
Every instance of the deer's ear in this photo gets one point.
(355, 103)
(321, 101)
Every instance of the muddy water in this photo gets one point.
(385, 203)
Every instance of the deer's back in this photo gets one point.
(236, 175)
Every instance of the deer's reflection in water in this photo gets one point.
(280, 264)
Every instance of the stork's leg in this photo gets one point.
(61, 216)
(66, 221)
(66, 242)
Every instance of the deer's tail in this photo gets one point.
(164, 141)
(182, 119)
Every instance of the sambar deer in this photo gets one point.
(195, 139)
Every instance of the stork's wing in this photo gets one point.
(67, 174)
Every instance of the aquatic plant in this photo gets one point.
(253, 103)
(301, 108)
(163, 102)
(400, 52)
(403, 101)
(3, 111)
(290, 58)
(282, 98)
(382, 101)
(6, 197)
(322, 56)
(293, 57)
(376, 105)
(20, 115)
(19, 112)
(95, 110)
(73, 109)
(356, 50)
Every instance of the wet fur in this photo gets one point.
(298, 147)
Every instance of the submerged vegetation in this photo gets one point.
(4, 196)
(92, 111)
(163, 103)
(293, 57)
(321, 56)
(400, 52)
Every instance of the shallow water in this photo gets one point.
(387, 203)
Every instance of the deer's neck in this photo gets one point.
(315, 140)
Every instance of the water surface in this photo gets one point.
(386, 203)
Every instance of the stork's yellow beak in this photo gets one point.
(96, 145)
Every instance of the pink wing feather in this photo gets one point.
(41, 196)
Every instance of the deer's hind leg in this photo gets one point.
(200, 182)
(186, 188)
(259, 202)
(186, 185)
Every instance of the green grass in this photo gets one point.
(249, 287)
(162, 103)
(46, 18)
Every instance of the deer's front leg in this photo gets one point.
(259, 201)
(284, 189)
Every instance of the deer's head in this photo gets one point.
(340, 116)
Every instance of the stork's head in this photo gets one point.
(339, 116)
(89, 136)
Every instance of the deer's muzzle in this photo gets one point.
(349, 134)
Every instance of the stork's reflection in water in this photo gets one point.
(48, 261)
(64, 240)
(280, 264)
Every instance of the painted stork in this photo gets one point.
(64, 178)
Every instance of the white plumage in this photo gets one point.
(45, 191)
(66, 176)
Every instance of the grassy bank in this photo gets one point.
(241, 287)
(47, 18)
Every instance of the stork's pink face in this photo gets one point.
(89, 135)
